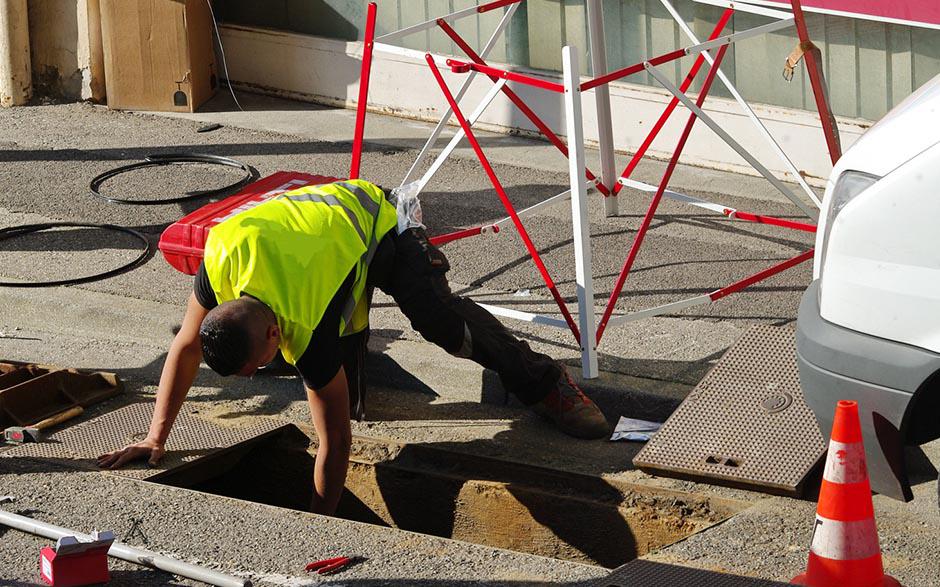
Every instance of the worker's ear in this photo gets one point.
(274, 331)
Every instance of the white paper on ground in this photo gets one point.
(635, 430)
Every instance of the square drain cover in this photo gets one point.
(192, 438)
(745, 425)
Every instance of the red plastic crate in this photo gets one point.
(182, 243)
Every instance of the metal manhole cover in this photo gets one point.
(192, 438)
(643, 573)
(745, 424)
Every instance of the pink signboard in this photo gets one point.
(924, 13)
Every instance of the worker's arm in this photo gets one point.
(179, 371)
(329, 409)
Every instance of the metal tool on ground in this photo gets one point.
(21, 434)
(845, 551)
(127, 553)
(333, 565)
(75, 562)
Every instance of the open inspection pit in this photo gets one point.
(492, 502)
(474, 499)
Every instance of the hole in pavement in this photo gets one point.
(475, 499)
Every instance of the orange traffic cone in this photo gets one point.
(845, 551)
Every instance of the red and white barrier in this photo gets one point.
(587, 330)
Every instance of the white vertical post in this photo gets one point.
(579, 212)
(605, 133)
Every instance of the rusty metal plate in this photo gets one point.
(745, 425)
(641, 573)
(192, 438)
(30, 393)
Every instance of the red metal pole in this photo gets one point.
(502, 196)
(368, 44)
(520, 104)
(495, 5)
(459, 234)
(757, 218)
(739, 285)
(631, 69)
(651, 211)
(693, 71)
(462, 67)
(814, 68)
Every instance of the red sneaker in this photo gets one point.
(572, 412)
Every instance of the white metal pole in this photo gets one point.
(605, 133)
(457, 97)
(710, 122)
(579, 212)
(743, 103)
(128, 553)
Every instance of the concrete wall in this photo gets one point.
(65, 45)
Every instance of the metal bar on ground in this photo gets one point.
(520, 104)
(760, 276)
(713, 296)
(362, 106)
(742, 102)
(708, 120)
(735, 37)
(417, 28)
(659, 310)
(459, 96)
(581, 226)
(760, 219)
(648, 187)
(818, 81)
(536, 258)
(524, 316)
(462, 66)
(127, 553)
(442, 239)
(654, 203)
(731, 213)
(605, 130)
(664, 117)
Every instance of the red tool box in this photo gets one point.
(72, 562)
(183, 241)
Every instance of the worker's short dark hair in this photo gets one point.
(227, 344)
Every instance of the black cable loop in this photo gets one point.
(15, 231)
(170, 159)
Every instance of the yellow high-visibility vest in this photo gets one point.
(294, 252)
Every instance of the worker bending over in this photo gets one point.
(296, 274)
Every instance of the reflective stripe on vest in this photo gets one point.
(294, 252)
(370, 206)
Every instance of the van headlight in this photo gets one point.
(849, 185)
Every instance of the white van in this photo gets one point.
(869, 324)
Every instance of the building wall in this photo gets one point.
(65, 49)
(869, 66)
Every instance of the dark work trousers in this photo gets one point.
(413, 272)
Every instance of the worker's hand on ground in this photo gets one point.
(145, 449)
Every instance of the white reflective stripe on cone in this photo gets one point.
(845, 463)
(845, 540)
